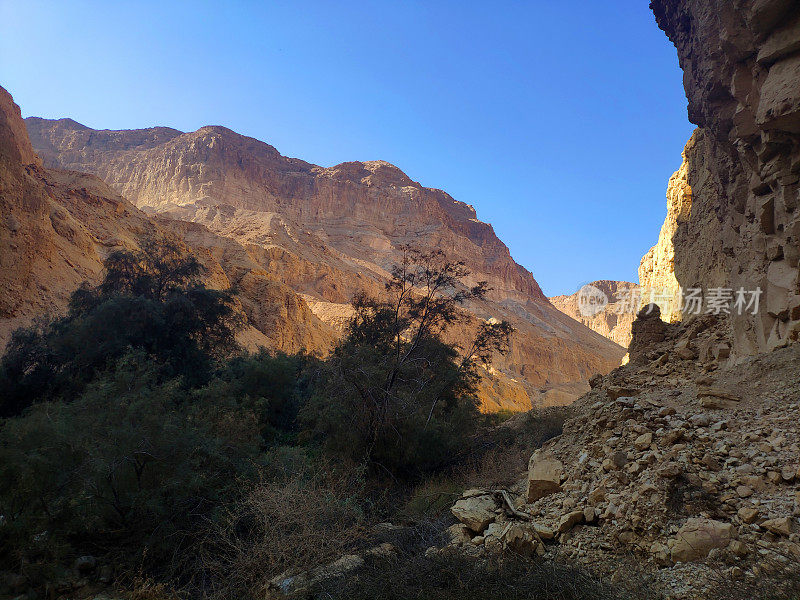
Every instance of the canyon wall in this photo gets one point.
(57, 227)
(614, 321)
(741, 64)
(329, 233)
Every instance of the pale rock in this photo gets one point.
(569, 521)
(748, 514)
(522, 539)
(643, 442)
(697, 537)
(545, 473)
(543, 531)
(476, 512)
(459, 534)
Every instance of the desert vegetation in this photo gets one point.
(135, 431)
(141, 450)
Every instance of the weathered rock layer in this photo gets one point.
(329, 233)
(741, 63)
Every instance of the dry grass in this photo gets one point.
(498, 459)
(285, 525)
(458, 577)
(778, 579)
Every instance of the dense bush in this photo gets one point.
(150, 300)
(272, 386)
(133, 432)
(129, 463)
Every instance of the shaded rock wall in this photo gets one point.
(741, 63)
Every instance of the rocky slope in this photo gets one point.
(57, 227)
(614, 321)
(686, 460)
(328, 233)
(666, 464)
(741, 64)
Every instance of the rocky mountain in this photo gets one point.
(57, 227)
(329, 233)
(49, 243)
(614, 321)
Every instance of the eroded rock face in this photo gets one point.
(329, 233)
(57, 227)
(741, 64)
(614, 321)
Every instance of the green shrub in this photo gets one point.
(395, 393)
(151, 301)
(131, 464)
(273, 386)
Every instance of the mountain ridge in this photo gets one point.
(329, 233)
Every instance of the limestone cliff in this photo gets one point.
(741, 63)
(48, 242)
(328, 233)
(657, 269)
(614, 321)
(58, 226)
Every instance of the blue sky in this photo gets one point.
(561, 122)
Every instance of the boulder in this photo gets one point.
(492, 539)
(545, 472)
(643, 442)
(476, 512)
(459, 534)
(522, 538)
(717, 399)
(287, 585)
(748, 514)
(544, 532)
(569, 521)
(784, 526)
(698, 537)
